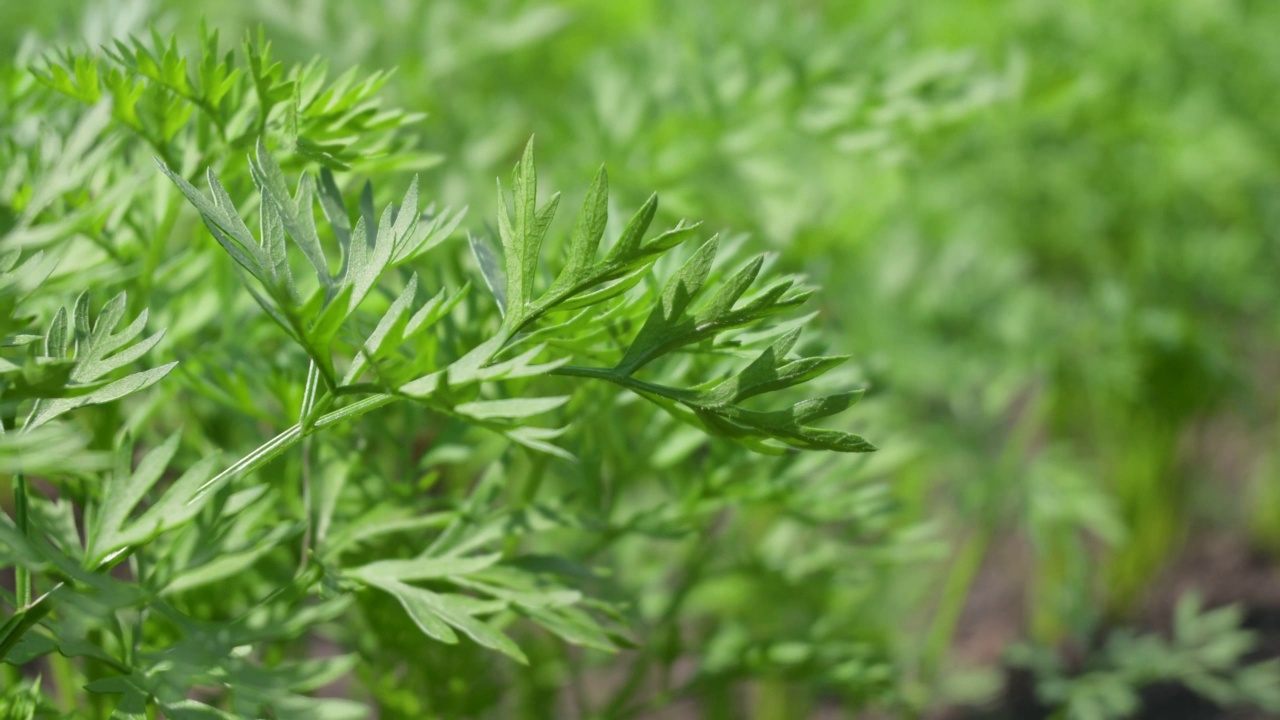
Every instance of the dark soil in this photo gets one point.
(1164, 701)
(1218, 567)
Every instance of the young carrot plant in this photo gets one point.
(163, 565)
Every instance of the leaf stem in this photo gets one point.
(22, 576)
(274, 447)
(31, 613)
(625, 381)
(308, 403)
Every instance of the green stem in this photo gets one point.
(308, 403)
(277, 445)
(954, 596)
(622, 380)
(622, 706)
(533, 482)
(31, 613)
(64, 682)
(22, 576)
(23, 620)
(154, 251)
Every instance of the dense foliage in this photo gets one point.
(301, 419)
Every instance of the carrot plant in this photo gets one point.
(379, 434)
(295, 428)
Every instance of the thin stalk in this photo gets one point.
(969, 559)
(11, 631)
(276, 446)
(64, 682)
(622, 706)
(308, 505)
(22, 576)
(533, 481)
(308, 403)
(621, 380)
(262, 455)
(23, 620)
(577, 689)
(955, 594)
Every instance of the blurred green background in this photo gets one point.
(1048, 232)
